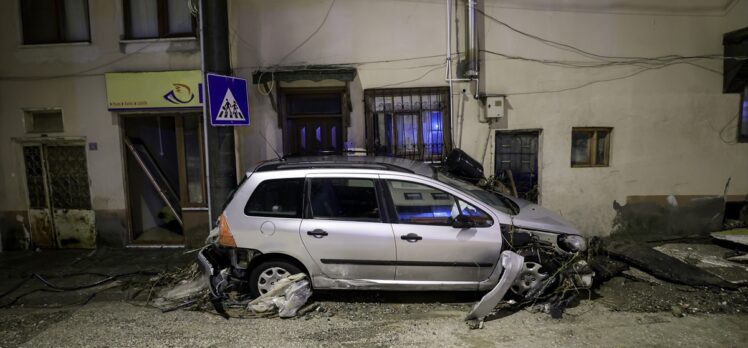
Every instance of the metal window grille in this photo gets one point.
(32, 156)
(412, 123)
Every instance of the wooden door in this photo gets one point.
(315, 135)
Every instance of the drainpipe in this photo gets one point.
(471, 68)
(448, 70)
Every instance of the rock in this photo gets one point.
(663, 266)
(639, 275)
(677, 311)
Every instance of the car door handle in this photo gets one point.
(411, 237)
(317, 233)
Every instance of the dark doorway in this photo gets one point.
(313, 121)
(165, 180)
(517, 153)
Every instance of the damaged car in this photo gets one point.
(383, 223)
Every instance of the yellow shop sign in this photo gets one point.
(154, 90)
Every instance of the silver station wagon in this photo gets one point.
(377, 223)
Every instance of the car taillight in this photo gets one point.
(225, 238)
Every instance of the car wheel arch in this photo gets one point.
(278, 257)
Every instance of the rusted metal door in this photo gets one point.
(40, 216)
(60, 212)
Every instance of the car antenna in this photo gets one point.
(271, 146)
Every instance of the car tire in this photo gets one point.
(265, 274)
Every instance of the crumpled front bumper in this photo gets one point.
(512, 263)
(209, 260)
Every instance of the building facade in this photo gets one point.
(613, 116)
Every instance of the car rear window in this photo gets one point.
(276, 198)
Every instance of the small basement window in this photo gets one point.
(590, 147)
(43, 121)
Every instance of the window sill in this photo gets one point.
(590, 165)
(161, 45)
(165, 39)
(60, 44)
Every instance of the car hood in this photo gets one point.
(533, 216)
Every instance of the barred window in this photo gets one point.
(408, 122)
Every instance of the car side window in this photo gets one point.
(424, 205)
(276, 198)
(344, 199)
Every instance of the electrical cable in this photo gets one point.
(728, 125)
(324, 20)
(601, 64)
(86, 72)
(337, 66)
(412, 80)
(82, 73)
(582, 52)
(637, 72)
(56, 288)
(270, 88)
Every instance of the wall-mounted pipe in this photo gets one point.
(448, 70)
(471, 67)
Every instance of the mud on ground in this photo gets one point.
(622, 294)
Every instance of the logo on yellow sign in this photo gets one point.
(180, 94)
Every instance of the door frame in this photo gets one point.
(357, 265)
(497, 218)
(539, 132)
(283, 116)
(184, 202)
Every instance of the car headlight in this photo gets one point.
(572, 243)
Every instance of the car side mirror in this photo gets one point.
(463, 221)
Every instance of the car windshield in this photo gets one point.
(494, 199)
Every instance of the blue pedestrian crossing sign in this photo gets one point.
(228, 100)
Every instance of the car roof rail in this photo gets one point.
(330, 165)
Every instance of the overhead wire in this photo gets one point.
(570, 48)
(321, 24)
(589, 83)
(598, 64)
(421, 77)
(82, 73)
(87, 72)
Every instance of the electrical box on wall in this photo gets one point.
(495, 107)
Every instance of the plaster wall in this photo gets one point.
(71, 77)
(673, 129)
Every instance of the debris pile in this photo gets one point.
(190, 291)
(286, 297)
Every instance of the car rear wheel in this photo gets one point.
(263, 277)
